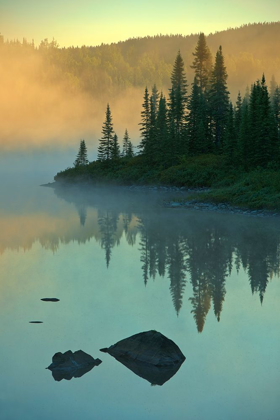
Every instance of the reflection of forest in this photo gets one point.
(201, 248)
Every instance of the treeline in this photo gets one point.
(107, 70)
(204, 121)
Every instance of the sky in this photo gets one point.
(92, 22)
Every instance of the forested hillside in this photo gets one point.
(52, 96)
(108, 69)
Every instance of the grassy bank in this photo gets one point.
(257, 189)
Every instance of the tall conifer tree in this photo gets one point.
(196, 120)
(125, 143)
(115, 153)
(145, 123)
(177, 107)
(219, 99)
(202, 63)
(106, 141)
(164, 151)
(230, 142)
(81, 159)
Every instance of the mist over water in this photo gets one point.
(120, 264)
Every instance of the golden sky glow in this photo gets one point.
(91, 22)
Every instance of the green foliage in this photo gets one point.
(177, 137)
(219, 99)
(202, 63)
(106, 143)
(115, 154)
(259, 189)
(177, 107)
(81, 159)
(145, 123)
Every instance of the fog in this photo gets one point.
(39, 114)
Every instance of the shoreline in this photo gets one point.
(183, 203)
(221, 208)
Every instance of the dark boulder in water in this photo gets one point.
(70, 365)
(150, 355)
(50, 300)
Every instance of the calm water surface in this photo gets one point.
(121, 264)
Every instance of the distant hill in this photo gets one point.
(53, 95)
(249, 51)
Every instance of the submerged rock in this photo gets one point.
(150, 355)
(70, 365)
(35, 322)
(50, 300)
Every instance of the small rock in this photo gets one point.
(50, 300)
(70, 365)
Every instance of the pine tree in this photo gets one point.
(196, 121)
(177, 107)
(130, 152)
(202, 63)
(230, 142)
(238, 113)
(151, 145)
(155, 98)
(106, 142)
(219, 99)
(164, 152)
(244, 148)
(125, 143)
(81, 159)
(145, 123)
(115, 152)
(263, 130)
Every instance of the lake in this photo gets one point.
(121, 263)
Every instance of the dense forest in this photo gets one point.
(192, 122)
(108, 69)
(53, 96)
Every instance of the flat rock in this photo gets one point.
(149, 355)
(70, 365)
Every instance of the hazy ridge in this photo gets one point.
(54, 96)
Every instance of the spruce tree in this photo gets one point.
(155, 98)
(106, 142)
(202, 63)
(164, 152)
(145, 123)
(238, 113)
(81, 159)
(115, 152)
(196, 119)
(151, 145)
(130, 152)
(125, 143)
(244, 147)
(177, 107)
(219, 99)
(263, 130)
(230, 142)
